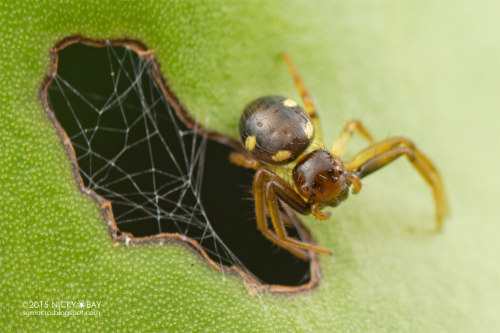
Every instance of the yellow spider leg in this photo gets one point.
(268, 187)
(244, 161)
(279, 226)
(259, 184)
(382, 153)
(304, 94)
(340, 145)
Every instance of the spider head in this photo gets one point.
(321, 178)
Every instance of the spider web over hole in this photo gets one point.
(160, 176)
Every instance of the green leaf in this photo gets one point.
(426, 70)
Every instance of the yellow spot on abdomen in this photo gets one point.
(250, 142)
(309, 130)
(290, 103)
(281, 155)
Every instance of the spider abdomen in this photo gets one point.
(275, 129)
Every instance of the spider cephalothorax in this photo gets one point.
(320, 177)
(284, 144)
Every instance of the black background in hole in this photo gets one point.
(226, 188)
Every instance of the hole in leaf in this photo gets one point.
(159, 176)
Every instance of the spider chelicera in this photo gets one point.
(283, 143)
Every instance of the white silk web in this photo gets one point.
(132, 149)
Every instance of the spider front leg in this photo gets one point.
(340, 145)
(382, 153)
(268, 187)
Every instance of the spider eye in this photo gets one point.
(341, 171)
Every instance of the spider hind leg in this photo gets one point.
(304, 94)
(244, 161)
